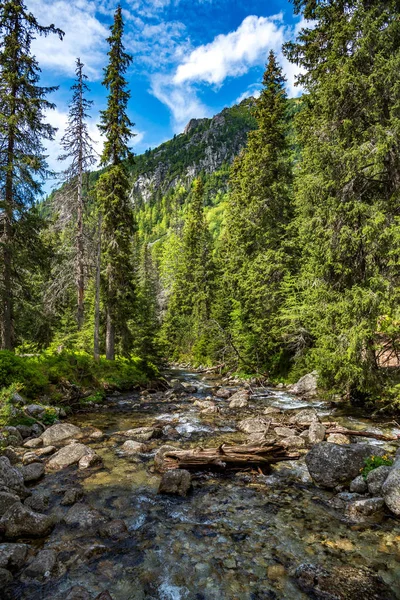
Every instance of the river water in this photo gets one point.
(235, 537)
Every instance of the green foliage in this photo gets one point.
(374, 462)
(6, 406)
(50, 416)
(21, 370)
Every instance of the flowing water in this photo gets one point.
(235, 537)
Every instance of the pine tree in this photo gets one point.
(22, 131)
(258, 213)
(78, 148)
(186, 325)
(113, 189)
(346, 298)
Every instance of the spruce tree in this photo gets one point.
(23, 128)
(113, 190)
(78, 149)
(346, 298)
(258, 213)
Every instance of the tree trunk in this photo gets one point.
(97, 298)
(80, 275)
(110, 337)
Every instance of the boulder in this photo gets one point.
(32, 472)
(82, 516)
(391, 490)
(376, 478)
(159, 456)
(5, 578)
(33, 443)
(359, 485)
(342, 583)
(305, 417)
(72, 496)
(12, 478)
(67, 456)
(20, 521)
(131, 448)
(254, 425)
(176, 482)
(316, 433)
(60, 433)
(240, 399)
(365, 509)
(7, 499)
(41, 567)
(338, 438)
(331, 465)
(306, 385)
(13, 556)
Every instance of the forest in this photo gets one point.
(265, 240)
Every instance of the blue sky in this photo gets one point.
(191, 57)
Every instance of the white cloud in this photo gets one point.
(233, 54)
(253, 90)
(84, 36)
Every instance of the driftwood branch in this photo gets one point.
(367, 434)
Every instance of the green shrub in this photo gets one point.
(6, 406)
(50, 416)
(374, 462)
(24, 370)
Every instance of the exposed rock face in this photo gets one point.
(193, 124)
(84, 517)
(57, 434)
(342, 583)
(240, 399)
(69, 455)
(32, 472)
(391, 490)
(11, 478)
(305, 417)
(331, 465)
(176, 482)
(20, 521)
(376, 478)
(13, 556)
(306, 386)
(254, 425)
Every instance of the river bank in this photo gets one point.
(244, 535)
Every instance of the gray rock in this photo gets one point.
(306, 385)
(18, 399)
(316, 433)
(32, 472)
(293, 441)
(12, 478)
(359, 485)
(6, 500)
(190, 389)
(10, 454)
(177, 386)
(131, 448)
(35, 410)
(78, 593)
(331, 465)
(41, 567)
(33, 443)
(376, 478)
(13, 556)
(37, 429)
(82, 516)
(115, 530)
(14, 433)
(240, 399)
(284, 432)
(159, 456)
(305, 417)
(176, 482)
(254, 425)
(20, 521)
(25, 431)
(5, 578)
(60, 433)
(67, 456)
(391, 491)
(342, 583)
(90, 460)
(39, 501)
(224, 393)
(141, 434)
(365, 509)
(338, 438)
(72, 496)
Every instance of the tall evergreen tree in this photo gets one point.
(78, 149)
(22, 130)
(258, 213)
(113, 189)
(346, 298)
(187, 324)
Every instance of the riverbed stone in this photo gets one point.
(342, 583)
(13, 556)
(5, 578)
(90, 460)
(33, 443)
(284, 432)
(338, 438)
(84, 517)
(32, 472)
(376, 478)
(25, 431)
(11, 478)
(316, 433)
(305, 417)
(41, 566)
(391, 490)
(67, 456)
(46, 451)
(7, 499)
(104, 596)
(20, 521)
(131, 448)
(366, 509)
(223, 393)
(60, 433)
(332, 465)
(293, 441)
(240, 399)
(141, 434)
(359, 485)
(176, 482)
(254, 425)
(39, 501)
(72, 496)
(115, 530)
(11, 454)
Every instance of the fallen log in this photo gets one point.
(211, 369)
(226, 458)
(367, 434)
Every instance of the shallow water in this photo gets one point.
(236, 537)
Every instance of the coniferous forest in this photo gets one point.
(200, 343)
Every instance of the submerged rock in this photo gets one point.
(77, 593)
(20, 521)
(175, 482)
(13, 556)
(82, 516)
(5, 578)
(141, 434)
(41, 566)
(59, 433)
(331, 465)
(342, 583)
(72, 496)
(39, 501)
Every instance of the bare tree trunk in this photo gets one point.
(80, 252)
(110, 331)
(97, 299)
